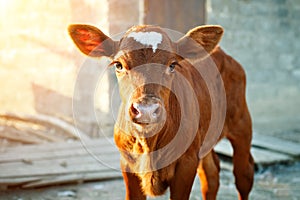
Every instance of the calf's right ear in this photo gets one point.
(200, 41)
(91, 41)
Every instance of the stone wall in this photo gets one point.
(264, 37)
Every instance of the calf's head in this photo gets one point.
(146, 63)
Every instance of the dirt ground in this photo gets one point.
(274, 182)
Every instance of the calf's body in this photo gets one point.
(167, 109)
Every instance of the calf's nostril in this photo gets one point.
(145, 113)
(134, 109)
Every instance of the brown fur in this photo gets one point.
(135, 148)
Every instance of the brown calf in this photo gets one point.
(174, 109)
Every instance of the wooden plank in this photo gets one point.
(39, 181)
(43, 135)
(94, 176)
(19, 138)
(59, 153)
(60, 166)
(65, 161)
(43, 165)
(47, 120)
(50, 147)
(68, 157)
(18, 181)
(261, 156)
(276, 144)
(266, 157)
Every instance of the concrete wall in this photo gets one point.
(264, 37)
(179, 15)
(38, 62)
(261, 35)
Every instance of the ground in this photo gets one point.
(275, 182)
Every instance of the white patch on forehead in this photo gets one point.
(152, 39)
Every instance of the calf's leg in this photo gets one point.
(182, 182)
(243, 165)
(133, 188)
(208, 172)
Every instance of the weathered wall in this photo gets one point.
(32, 49)
(38, 62)
(264, 37)
(35, 48)
(179, 15)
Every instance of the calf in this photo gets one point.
(174, 108)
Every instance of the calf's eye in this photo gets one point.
(172, 67)
(118, 66)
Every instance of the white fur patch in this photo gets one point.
(152, 39)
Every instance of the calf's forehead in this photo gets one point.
(141, 37)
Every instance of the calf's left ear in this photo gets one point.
(91, 41)
(200, 41)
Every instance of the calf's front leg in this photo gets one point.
(182, 182)
(133, 187)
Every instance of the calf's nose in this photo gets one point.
(146, 113)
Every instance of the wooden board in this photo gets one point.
(58, 163)
(69, 178)
(64, 158)
(276, 144)
(56, 150)
(261, 156)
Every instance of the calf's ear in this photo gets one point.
(91, 41)
(199, 41)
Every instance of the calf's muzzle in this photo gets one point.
(146, 110)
